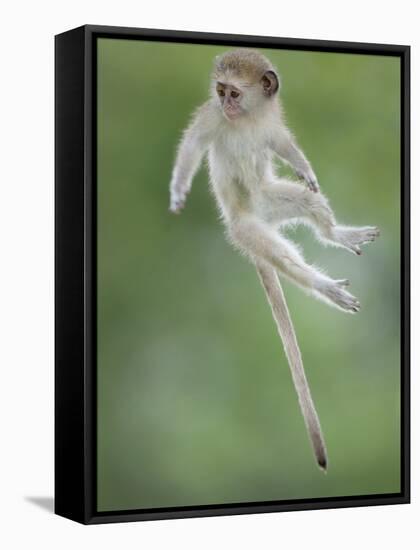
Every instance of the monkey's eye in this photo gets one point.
(234, 94)
(221, 92)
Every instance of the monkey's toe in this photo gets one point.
(341, 298)
(356, 250)
(343, 282)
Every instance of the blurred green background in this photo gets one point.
(195, 399)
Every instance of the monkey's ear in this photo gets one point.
(270, 83)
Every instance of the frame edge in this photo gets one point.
(69, 428)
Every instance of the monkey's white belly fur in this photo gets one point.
(239, 166)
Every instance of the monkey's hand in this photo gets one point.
(309, 177)
(177, 202)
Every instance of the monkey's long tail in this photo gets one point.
(277, 301)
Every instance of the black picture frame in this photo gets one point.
(75, 273)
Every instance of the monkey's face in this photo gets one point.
(239, 97)
(230, 97)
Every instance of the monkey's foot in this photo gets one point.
(353, 238)
(334, 292)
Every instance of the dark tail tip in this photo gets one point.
(322, 462)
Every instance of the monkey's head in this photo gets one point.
(243, 82)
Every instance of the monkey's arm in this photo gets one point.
(284, 145)
(191, 150)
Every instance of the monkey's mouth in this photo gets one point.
(232, 111)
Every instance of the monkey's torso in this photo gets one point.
(240, 162)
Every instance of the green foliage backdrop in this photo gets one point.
(195, 399)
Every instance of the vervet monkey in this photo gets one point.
(241, 128)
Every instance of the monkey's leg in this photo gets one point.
(287, 333)
(286, 200)
(260, 241)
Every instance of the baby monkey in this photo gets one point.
(241, 128)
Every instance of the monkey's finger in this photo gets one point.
(313, 185)
(176, 207)
(343, 282)
(175, 210)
